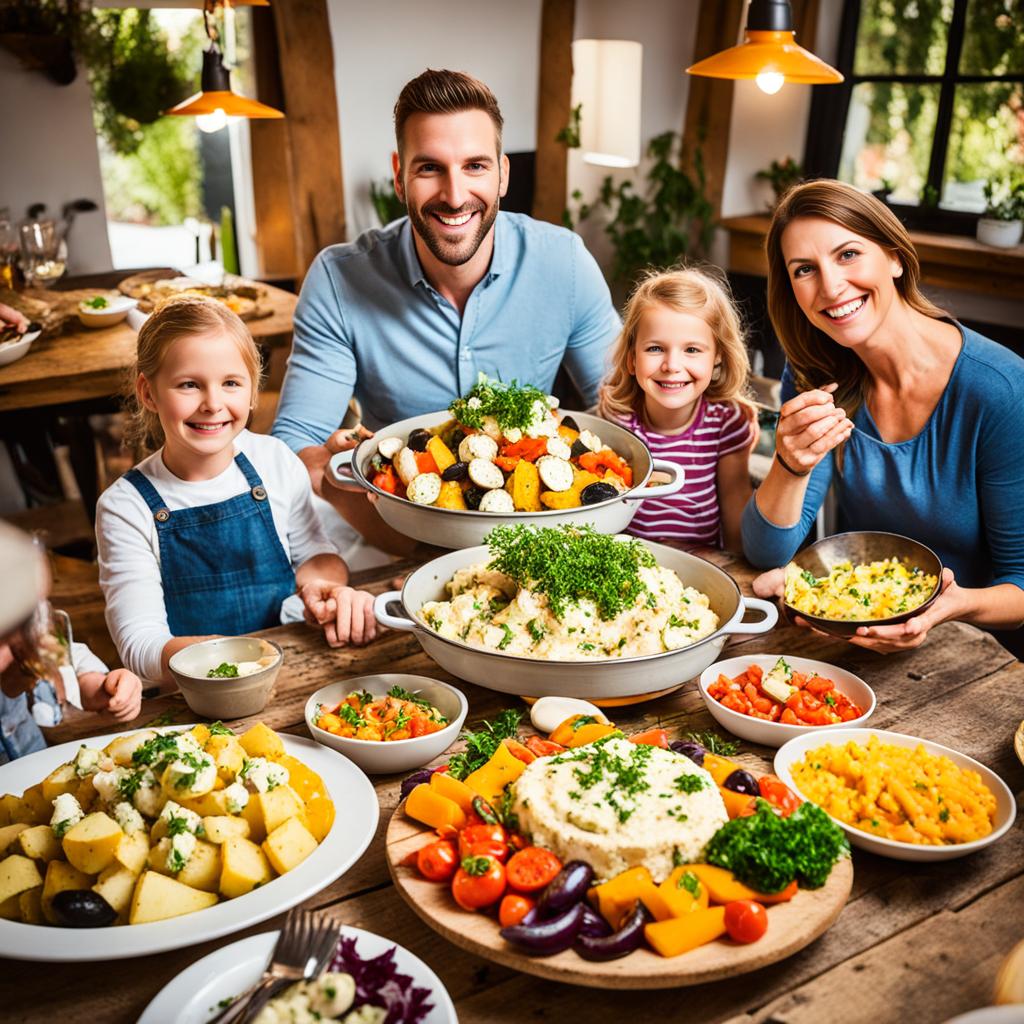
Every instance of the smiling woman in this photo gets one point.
(905, 411)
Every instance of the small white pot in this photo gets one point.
(1004, 234)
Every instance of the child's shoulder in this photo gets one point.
(272, 458)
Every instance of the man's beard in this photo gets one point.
(449, 251)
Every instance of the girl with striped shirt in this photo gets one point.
(678, 381)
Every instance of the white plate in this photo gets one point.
(1006, 806)
(193, 996)
(354, 826)
(11, 351)
(774, 734)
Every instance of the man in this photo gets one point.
(406, 316)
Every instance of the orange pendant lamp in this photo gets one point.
(769, 53)
(216, 102)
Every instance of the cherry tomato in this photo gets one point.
(776, 792)
(745, 920)
(532, 868)
(385, 480)
(651, 738)
(520, 751)
(513, 909)
(437, 861)
(479, 882)
(487, 848)
(473, 834)
(542, 747)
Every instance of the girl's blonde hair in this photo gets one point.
(700, 292)
(178, 317)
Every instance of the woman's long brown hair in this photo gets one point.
(814, 358)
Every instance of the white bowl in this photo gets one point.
(774, 734)
(385, 757)
(13, 350)
(1006, 806)
(113, 313)
(230, 697)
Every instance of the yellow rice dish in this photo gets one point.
(897, 793)
(859, 593)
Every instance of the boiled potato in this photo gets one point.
(132, 851)
(319, 817)
(200, 733)
(202, 871)
(61, 876)
(17, 874)
(116, 885)
(301, 778)
(40, 843)
(10, 908)
(63, 780)
(215, 803)
(9, 835)
(261, 741)
(122, 748)
(91, 844)
(33, 807)
(220, 828)
(288, 845)
(228, 754)
(30, 903)
(244, 866)
(275, 807)
(158, 897)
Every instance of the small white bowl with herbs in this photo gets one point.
(104, 310)
(228, 677)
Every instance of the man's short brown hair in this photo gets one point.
(445, 92)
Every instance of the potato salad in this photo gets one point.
(570, 594)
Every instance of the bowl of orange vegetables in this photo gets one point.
(771, 698)
(386, 723)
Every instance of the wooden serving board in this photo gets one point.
(791, 926)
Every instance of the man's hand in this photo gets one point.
(120, 696)
(12, 318)
(316, 457)
(345, 614)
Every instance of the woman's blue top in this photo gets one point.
(958, 486)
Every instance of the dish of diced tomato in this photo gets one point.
(398, 715)
(816, 701)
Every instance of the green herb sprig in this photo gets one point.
(225, 670)
(510, 404)
(481, 745)
(572, 563)
(713, 743)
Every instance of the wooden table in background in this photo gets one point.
(85, 364)
(916, 943)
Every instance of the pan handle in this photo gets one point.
(380, 611)
(675, 485)
(339, 462)
(771, 616)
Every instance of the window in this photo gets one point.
(932, 107)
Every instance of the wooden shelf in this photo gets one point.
(947, 261)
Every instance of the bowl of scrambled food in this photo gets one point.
(504, 454)
(861, 579)
(104, 310)
(227, 677)
(567, 611)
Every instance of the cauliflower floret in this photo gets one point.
(67, 812)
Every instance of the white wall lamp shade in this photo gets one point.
(606, 81)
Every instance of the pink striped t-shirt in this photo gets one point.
(691, 516)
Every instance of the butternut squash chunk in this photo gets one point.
(427, 805)
(442, 454)
(491, 779)
(453, 789)
(451, 495)
(561, 499)
(526, 487)
(681, 934)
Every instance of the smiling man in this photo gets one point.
(406, 316)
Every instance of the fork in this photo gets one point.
(303, 950)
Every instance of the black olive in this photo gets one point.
(593, 493)
(568, 421)
(472, 496)
(455, 438)
(578, 449)
(82, 908)
(741, 781)
(418, 440)
(456, 471)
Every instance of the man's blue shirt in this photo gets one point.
(369, 323)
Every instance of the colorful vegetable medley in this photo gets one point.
(772, 845)
(399, 715)
(504, 451)
(783, 695)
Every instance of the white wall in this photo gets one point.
(666, 30)
(379, 47)
(48, 155)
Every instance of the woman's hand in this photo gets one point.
(120, 696)
(12, 318)
(809, 427)
(345, 614)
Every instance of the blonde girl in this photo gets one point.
(678, 381)
(214, 530)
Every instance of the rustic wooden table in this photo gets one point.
(84, 364)
(915, 943)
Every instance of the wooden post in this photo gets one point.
(306, 61)
(709, 103)
(553, 107)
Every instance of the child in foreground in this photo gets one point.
(213, 531)
(678, 381)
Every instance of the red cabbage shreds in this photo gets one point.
(379, 984)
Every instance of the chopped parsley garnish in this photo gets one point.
(225, 670)
(623, 776)
(350, 716)
(536, 630)
(188, 779)
(496, 604)
(810, 579)
(586, 647)
(507, 638)
(176, 825)
(830, 700)
(677, 857)
(504, 809)
(510, 404)
(570, 564)
(582, 721)
(944, 814)
(365, 697)
(128, 785)
(713, 743)
(160, 750)
(690, 882)
(62, 827)
(690, 783)
(96, 302)
(682, 623)
(481, 745)
(400, 693)
(220, 729)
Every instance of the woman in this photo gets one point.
(912, 416)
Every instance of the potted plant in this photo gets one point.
(1001, 224)
(782, 176)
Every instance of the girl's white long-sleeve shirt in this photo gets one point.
(129, 549)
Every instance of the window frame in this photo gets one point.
(830, 105)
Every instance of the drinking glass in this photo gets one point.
(41, 261)
(8, 251)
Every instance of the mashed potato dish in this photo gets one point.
(569, 594)
(877, 590)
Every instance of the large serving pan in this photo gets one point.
(454, 528)
(591, 679)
